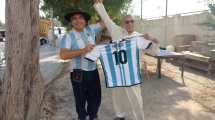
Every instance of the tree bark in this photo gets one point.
(23, 86)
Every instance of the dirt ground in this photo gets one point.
(164, 99)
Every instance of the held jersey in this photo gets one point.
(120, 61)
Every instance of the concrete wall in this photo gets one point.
(176, 25)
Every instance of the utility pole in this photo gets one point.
(141, 9)
(166, 25)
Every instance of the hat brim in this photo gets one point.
(71, 14)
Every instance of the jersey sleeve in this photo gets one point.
(66, 42)
(143, 43)
(94, 54)
(96, 27)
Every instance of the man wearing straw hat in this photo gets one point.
(84, 74)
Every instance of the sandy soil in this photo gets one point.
(164, 99)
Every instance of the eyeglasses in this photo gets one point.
(129, 21)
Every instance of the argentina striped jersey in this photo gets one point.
(74, 40)
(120, 61)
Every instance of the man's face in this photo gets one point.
(129, 24)
(78, 22)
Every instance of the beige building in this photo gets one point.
(177, 25)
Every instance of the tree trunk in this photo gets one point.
(23, 86)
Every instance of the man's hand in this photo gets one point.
(150, 38)
(88, 48)
(98, 1)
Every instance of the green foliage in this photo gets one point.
(212, 8)
(210, 22)
(58, 8)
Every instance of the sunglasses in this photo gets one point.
(129, 21)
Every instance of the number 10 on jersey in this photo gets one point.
(120, 57)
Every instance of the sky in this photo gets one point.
(2, 11)
(151, 8)
(156, 8)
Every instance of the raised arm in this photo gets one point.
(115, 31)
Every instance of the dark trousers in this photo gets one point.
(87, 95)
